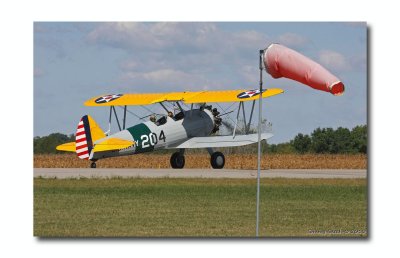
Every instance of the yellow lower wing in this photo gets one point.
(112, 144)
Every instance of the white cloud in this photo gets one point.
(182, 54)
(248, 38)
(190, 55)
(129, 65)
(250, 75)
(292, 40)
(340, 63)
(171, 80)
(159, 76)
(166, 77)
(153, 36)
(333, 60)
(170, 36)
(359, 62)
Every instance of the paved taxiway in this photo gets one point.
(197, 173)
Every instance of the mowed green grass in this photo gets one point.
(199, 207)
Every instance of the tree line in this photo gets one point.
(47, 144)
(321, 140)
(326, 140)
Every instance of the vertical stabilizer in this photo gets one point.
(88, 131)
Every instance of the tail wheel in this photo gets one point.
(217, 160)
(177, 160)
(93, 165)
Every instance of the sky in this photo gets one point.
(76, 61)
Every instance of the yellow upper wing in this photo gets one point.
(229, 96)
(124, 99)
(186, 97)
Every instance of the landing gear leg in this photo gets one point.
(217, 159)
(93, 165)
(178, 159)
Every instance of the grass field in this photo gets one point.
(199, 207)
(233, 161)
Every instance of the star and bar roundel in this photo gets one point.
(249, 94)
(107, 98)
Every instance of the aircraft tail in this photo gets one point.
(87, 133)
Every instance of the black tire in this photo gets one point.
(93, 165)
(177, 160)
(217, 160)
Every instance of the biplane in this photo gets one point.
(194, 127)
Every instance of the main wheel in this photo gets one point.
(217, 160)
(177, 160)
(93, 165)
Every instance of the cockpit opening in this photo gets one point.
(158, 119)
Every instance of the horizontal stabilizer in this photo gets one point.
(112, 144)
(69, 146)
(222, 141)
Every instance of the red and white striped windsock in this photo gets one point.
(281, 61)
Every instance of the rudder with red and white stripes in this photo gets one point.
(83, 139)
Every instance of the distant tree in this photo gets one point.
(271, 148)
(341, 142)
(302, 143)
(359, 138)
(321, 140)
(47, 144)
(285, 148)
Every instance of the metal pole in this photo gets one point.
(259, 144)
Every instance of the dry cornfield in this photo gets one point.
(233, 161)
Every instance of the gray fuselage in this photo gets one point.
(166, 132)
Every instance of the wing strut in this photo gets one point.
(130, 112)
(251, 116)
(112, 110)
(116, 117)
(124, 121)
(109, 122)
(244, 118)
(237, 117)
(163, 106)
(179, 106)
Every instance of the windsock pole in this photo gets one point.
(259, 142)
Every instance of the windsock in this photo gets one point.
(281, 61)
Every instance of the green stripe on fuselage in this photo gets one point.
(140, 133)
